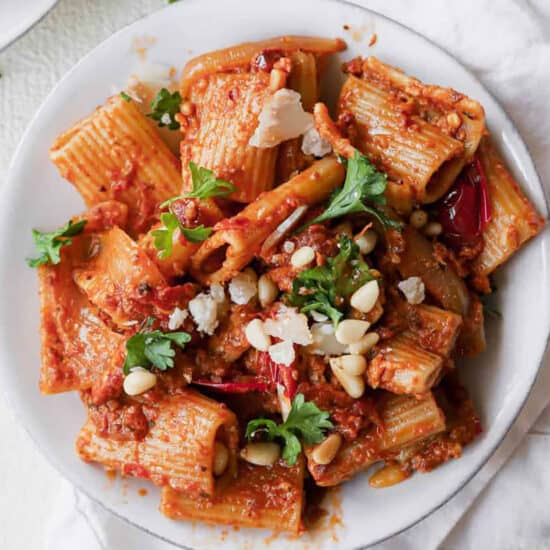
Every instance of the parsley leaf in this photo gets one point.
(165, 106)
(125, 97)
(304, 420)
(153, 348)
(206, 184)
(363, 183)
(324, 288)
(196, 234)
(49, 244)
(163, 238)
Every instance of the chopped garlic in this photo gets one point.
(289, 325)
(177, 317)
(204, 311)
(282, 353)
(414, 290)
(324, 340)
(243, 287)
(282, 118)
(314, 144)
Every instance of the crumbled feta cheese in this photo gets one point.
(204, 310)
(218, 293)
(324, 340)
(177, 317)
(318, 317)
(414, 290)
(282, 353)
(282, 118)
(289, 325)
(314, 144)
(243, 287)
(165, 119)
(288, 247)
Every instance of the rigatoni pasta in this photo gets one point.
(294, 301)
(115, 153)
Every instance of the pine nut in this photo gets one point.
(267, 291)
(354, 365)
(327, 450)
(351, 330)
(303, 256)
(433, 229)
(364, 299)
(367, 241)
(365, 344)
(354, 386)
(387, 476)
(256, 335)
(139, 381)
(418, 219)
(344, 228)
(221, 458)
(261, 454)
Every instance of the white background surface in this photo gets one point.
(31, 67)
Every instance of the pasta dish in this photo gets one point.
(285, 302)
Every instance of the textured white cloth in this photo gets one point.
(507, 44)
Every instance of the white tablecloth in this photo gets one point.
(507, 44)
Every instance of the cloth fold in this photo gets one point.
(507, 45)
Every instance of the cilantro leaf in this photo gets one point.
(324, 288)
(206, 184)
(363, 184)
(125, 97)
(196, 234)
(165, 106)
(163, 238)
(305, 420)
(153, 348)
(49, 244)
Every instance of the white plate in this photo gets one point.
(36, 196)
(18, 16)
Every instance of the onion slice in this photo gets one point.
(276, 237)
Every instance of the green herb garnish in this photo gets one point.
(324, 288)
(154, 348)
(207, 185)
(305, 420)
(163, 237)
(165, 107)
(49, 244)
(196, 234)
(125, 97)
(363, 183)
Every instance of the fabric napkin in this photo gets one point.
(507, 45)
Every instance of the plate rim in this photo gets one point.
(42, 14)
(10, 182)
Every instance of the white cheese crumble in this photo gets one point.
(324, 340)
(204, 310)
(282, 353)
(177, 317)
(414, 290)
(217, 292)
(243, 287)
(314, 144)
(165, 119)
(290, 326)
(282, 118)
